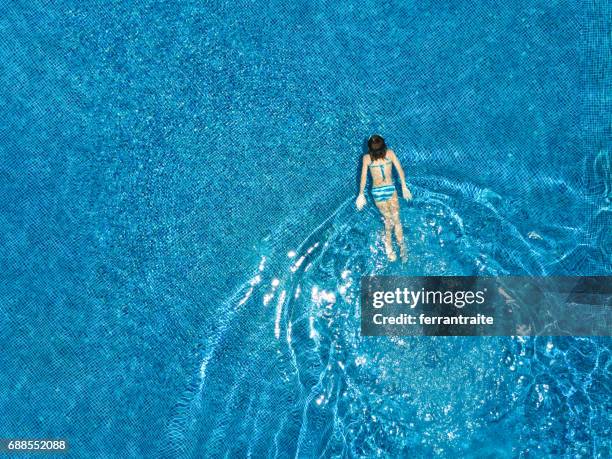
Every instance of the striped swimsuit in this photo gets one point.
(385, 192)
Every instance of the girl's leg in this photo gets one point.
(385, 210)
(388, 241)
(399, 230)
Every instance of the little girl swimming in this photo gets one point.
(380, 161)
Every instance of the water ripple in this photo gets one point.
(287, 370)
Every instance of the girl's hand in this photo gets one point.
(360, 202)
(407, 193)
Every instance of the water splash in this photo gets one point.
(289, 372)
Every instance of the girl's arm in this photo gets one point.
(364, 173)
(402, 176)
(361, 200)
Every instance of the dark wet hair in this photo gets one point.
(377, 148)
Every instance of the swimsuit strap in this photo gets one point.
(382, 167)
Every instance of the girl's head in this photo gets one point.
(377, 147)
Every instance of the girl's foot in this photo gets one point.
(390, 253)
(403, 253)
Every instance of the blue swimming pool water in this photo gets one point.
(165, 167)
